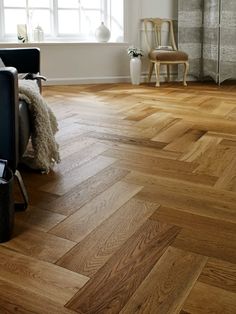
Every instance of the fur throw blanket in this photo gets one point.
(45, 150)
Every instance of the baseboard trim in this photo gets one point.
(106, 80)
(87, 80)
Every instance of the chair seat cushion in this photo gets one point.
(168, 55)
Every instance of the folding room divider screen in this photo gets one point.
(207, 32)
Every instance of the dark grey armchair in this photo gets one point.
(15, 126)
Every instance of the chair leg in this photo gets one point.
(157, 70)
(186, 68)
(24, 205)
(151, 66)
(168, 72)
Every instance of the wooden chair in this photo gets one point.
(157, 55)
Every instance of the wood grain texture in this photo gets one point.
(110, 289)
(38, 218)
(42, 278)
(205, 299)
(220, 245)
(86, 191)
(185, 142)
(146, 189)
(64, 184)
(41, 245)
(143, 142)
(190, 202)
(95, 250)
(165, 288)
(152, 162)
(14, 299)
(220, 274)
(77, 226)
(191, 221)
(131, 165)
(80, 157)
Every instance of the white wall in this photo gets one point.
(75, 63)
(159, 8)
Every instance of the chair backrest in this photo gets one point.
(23, 59)
(155, 25)
(9, 117)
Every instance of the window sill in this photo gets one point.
(58, 43)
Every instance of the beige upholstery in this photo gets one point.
(160, 56)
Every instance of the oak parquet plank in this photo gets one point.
(126, 140)
(79, 158)
(149, 161)
(218, 245)
(42, 278)
(174, 174)
(34, 179)
(38, 218)
(94, 251)
(224, 108)
(110, 289)
(77, 226)
(219, 274)
(193, 221)
(75, 177)
(136, 115)
(191, 204)
(113, 123)
(215, 161)
(153, 152)
(200, 121)
(38, 244)
(156, 123)
(14, 299)
(229, 142)
(213, 124)
(227, 181)
(206, 142)
(204, 299)
(86, 191)
(38, 198)
(175, 130)
(113, 130)
(184, 188)
(165, 288)
(185, 142)
(75, 145)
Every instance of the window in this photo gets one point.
(62, 19)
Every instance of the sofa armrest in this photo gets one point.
(9, 116)
(23, 59)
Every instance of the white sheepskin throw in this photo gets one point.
(45, 151)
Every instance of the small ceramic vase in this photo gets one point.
(102, 33)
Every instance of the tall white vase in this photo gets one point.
(135, 70)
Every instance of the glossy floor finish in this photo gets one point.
(140, 215)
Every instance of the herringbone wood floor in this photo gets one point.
(140, 215)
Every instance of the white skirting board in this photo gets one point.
(104, 80)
